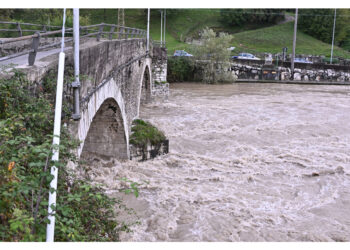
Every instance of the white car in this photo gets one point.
(246, 56)
(301, 60)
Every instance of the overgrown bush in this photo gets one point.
(83, 212)
(180, 69)
(144, 133)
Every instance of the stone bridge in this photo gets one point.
(116, 77)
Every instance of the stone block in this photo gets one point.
(297, 76)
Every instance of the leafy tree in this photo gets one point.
(46, 16)
(239, 17)
(214, 51)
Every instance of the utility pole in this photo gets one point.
(294, 42)
(148, 17)
(76, 83)
(161, 28)
(164, 25)
(335, 17)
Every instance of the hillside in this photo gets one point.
(273, 39)
(255, 39)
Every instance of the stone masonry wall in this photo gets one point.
(241, 71)
(98, 64)
(160, 86)
(151, 151)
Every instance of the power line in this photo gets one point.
(245, 11)
(255, 13)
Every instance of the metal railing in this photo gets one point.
(159, 44)
(20, 29)
(102, 30)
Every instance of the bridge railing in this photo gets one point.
(20, 28)
(160, 44)
(102, 30)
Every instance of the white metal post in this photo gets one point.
(148, 17)
(294, 42)
(50, 228)
(76, 84)
(164, 25)
(161, 28)
(335, 17)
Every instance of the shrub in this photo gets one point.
(180, 69)
(144, 133)
(83, 212)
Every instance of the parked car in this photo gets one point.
(181, 53)
(301, 60)
(246, 56)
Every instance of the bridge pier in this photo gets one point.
(160, 84)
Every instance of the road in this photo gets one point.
(23, 60)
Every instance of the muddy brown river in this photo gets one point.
(247, 162)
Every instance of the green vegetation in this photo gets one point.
(144, 133)
(214, 51)
(240, 17)
(248, 37)
(273, 39)
(83, 212)
(319, 24)
(254, 29)
(180, 69)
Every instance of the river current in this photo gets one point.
(247, 162)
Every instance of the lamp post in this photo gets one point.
(76, 83)
(148, 17)
(335, 17)
(164, 25)
(161, 28)
(294, 42)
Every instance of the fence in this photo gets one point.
(158, 44)
(102, 30)
(16, 27)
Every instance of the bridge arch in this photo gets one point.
(103, 128)
(145, 87)
(106, 135)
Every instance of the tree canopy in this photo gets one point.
(239, 17)
(319, 24)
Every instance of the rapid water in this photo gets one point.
(247, 162)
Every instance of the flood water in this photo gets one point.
(247, 162)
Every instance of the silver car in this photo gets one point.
(246, 56)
